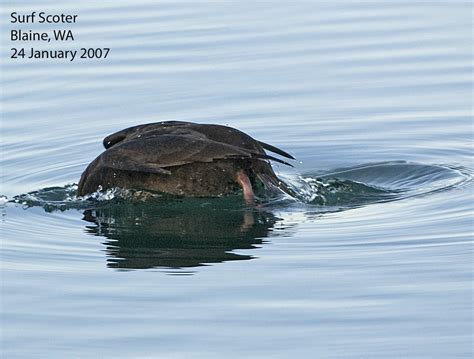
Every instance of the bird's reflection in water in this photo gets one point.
(178, 234)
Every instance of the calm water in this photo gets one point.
(372, 259)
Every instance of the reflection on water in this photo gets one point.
(176, 235)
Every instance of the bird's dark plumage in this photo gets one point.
(182, 158)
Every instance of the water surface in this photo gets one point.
(372, 257)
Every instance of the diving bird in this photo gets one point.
(184, 159)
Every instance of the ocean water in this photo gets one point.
(372, 257)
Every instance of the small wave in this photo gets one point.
(65, 197)
(335, 192)
(378, 182)
(342, 188)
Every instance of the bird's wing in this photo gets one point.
(155, 154)
(142, 131)
(218, 133)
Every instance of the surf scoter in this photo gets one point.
(185, 159)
